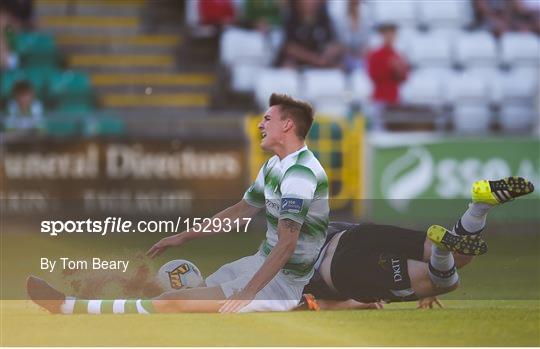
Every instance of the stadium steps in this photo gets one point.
(95, 24)
(155, 83)
(182, 90)
(121, 61)
(88, 7)
(135, 53)
(118, 44)
(160, 100)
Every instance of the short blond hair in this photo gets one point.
(299, 111)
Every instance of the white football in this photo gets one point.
(178, 274)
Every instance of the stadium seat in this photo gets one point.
(245, 53)
(403, 12)
(423, 87)
(275, 80)
(192, 13)
(520, 49)
(71, 90)
(243, 46)
(443, 13)
(516, 117)
(477, 49)
(61, 126)
(519, 89)
(243, 76)
(361, 85)
(492, 77)
(467, 88)
(326, 89)
(41, 77)
(471, 118)
(103, 125)
(36, 49)
(469, 95)
(519, 86)
(430, 50)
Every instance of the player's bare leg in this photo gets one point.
(196, 300)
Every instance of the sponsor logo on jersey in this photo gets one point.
(290, 205)
(391, 263)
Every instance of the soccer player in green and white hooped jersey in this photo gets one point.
(296, 188)
(292, 187)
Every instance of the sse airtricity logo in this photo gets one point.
(407, 177)
(291, 205)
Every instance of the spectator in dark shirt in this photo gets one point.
(500, 16)
(309, 37)
(388, 70)
(528, 14)
(22, 12)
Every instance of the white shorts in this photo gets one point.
(282, 293)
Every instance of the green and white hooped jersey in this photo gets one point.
(295, 188)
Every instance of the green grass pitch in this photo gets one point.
(498, 304)
(461, 323)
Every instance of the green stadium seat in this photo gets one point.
(75, 107)
(36, 49)
(103, 126)
(40, 77)
(59, 126)
(71, 88)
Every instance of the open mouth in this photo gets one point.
(263, 134)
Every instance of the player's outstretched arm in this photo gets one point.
(239, 211)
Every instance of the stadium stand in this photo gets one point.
(135, 57)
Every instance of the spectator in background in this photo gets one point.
(309, 37)
(8, 58)
(493, 15)
(500, 16)
(24, 111)
(216, 12)
(263, 15)
(22, 12)
(388, 70)
(266, 16)
(352, 31)
(528, 12)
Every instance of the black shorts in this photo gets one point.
(370, 264)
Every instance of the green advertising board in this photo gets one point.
(429, 178)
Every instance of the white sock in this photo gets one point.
(473, 220)
(442, 269)
(99, 306)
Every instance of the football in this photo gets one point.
(178, 274)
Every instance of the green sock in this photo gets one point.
(98, 306)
